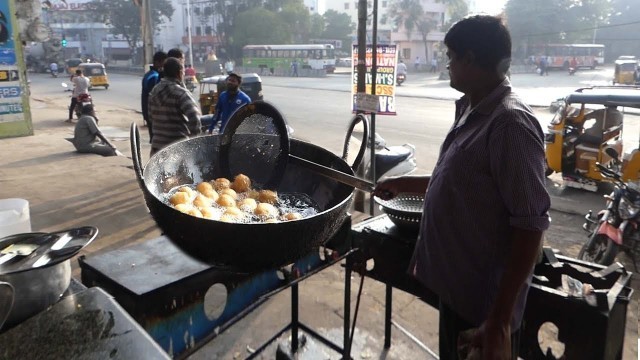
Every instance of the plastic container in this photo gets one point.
(14, 217)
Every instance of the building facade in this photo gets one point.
(411, 46)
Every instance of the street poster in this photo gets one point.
(387, 59)
(15, 116)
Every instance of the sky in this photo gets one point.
(491, 7)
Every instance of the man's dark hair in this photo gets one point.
(486, 37)
(87, 109)
(175, 53)
(172, 67)
(159, 57)
(238, 77)
(78, 72)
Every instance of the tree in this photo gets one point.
(407, 14)
(535, 23)
(338, 26)
(124, 17)
(621, 31)
(424, 27)
(261, 26)
(457, 10)
(295, 17)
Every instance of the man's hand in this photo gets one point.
(494, 340)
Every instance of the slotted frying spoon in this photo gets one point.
(261, 128)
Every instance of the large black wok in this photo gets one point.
(239, 246)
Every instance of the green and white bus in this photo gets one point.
(308, 56)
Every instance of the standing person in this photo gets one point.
(176, 53)
(149, 80)
(229, 101)
(486, 205)
(173, 111)
(434, 65)
(416, 63)
(80, 86)
(543, 65)
(54, 69)
(294, 68)
(87, 137)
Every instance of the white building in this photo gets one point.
(410, 46)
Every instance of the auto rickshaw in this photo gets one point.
(587, 122)
(96, 73)
(72, 65)
(211, 87)
(625, 72)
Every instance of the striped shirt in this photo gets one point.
(489, 178)
(174, 113)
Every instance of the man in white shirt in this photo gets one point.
(80, 86)
(402, 68)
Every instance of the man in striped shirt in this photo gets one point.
(174, 112)
(486, 205)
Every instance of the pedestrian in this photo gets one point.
(173, 111)
(294, 68)
(229, 101)
(402, 68)
(481, 231)
(87, 137)
(176, 53)
(543, 65)
(434, 65)
(416, 63)
(149, 80)
(80, 87)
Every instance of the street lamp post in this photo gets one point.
(189, 32)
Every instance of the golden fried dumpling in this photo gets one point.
(221, 183)
(204, 187)
(208, 213)
(202, 201)
(241, 183)
(228, 218)
(229, 192)
(226, 201)
(194, 212)
(211, 194)
(180, 197)
(248, 204)
(184, 208)
(234, 211)
(267, 196)
(187, 190)
(253, 194)
(266, 210)
(271, 221)
(291, 216)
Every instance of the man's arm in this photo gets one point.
(191, 110)
(218, 111)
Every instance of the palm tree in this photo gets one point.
(424, 27)
(406, 13)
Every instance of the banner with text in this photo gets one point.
(386, 58)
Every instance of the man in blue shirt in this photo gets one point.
(149, 80)
(229, 101)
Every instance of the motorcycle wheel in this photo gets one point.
(599, 249)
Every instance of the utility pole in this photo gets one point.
(147, 32)
(362, 46)
(189, 32)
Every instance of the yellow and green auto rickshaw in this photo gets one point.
(625, 72)
(587, 122)
(96, 73)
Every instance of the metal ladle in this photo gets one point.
(260, 125)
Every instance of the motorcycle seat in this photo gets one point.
(390, 157)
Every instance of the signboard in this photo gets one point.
(387, 58)
(15, 116)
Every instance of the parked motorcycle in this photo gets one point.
(83, 99)
(400, 79)
(616, 227)
(390, 161)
